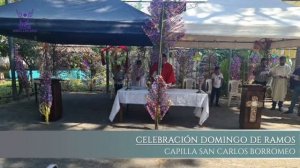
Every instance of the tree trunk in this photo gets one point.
(31, 79)
(30, 74)
(12, 68)
(12, 64)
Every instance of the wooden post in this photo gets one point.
(157, 117)
(156, 123)
(121, 113)
(230, 56)
(161, 45)
(107, 72)
(35, 92)
(11, 56)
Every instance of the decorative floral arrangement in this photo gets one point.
(46, 91)
(185, 62)
(158, 102)
(22, 73)
(172, 29)
(274, 60)
(235, 68)
(85, 64)
(207, 65)
(262, 46)
(254, 60)
(118, 56)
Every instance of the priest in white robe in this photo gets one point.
(280, 74)
(138, 75)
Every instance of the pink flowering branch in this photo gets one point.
(158, 102)
(235, 68)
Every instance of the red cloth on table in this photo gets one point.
(167, 72)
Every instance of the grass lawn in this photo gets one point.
(70, 85)
(5, 88)
(5, 91)
(80, 86)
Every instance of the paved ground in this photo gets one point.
(90, 111)
(151, 163)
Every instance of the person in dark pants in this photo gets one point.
(217, 80)
(261, 74)
(295, 86)
(119, 76)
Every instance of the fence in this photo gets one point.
(65, 74)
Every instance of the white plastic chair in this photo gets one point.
(189, 83)
(233, 90)
(208, 86)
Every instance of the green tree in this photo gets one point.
(2, 2)
(3, 46)
(29, 51)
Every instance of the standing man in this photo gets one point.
(138, 73)
(280, 74)
(261, 73)
(119, 77)
(167, 71)
(217, 80)
(295, 85)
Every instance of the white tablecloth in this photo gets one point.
(179, 97)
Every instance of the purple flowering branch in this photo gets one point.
(235, 68)
(207, 65)
(274, 60)
(45, 89)
(185, 61)
(254, 60)
(173, 29)
(22, 73)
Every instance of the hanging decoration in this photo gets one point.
(254, 61)
(158, 102)
(185, 62)
(22, 73)
(235, 67)
(207, 64)
(46, 92)
(118, 58)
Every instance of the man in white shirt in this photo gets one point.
(217, 80)
(137, 75)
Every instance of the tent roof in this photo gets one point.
(237, 24)
(97, 22)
